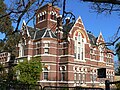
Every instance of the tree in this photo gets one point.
(9, 42)
(5, 22)
(3, 73)
(29, 71)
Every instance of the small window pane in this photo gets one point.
(46, 75)
(46, 44)
(46, 50)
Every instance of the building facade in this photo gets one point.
(71, 56)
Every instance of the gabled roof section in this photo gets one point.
(43, 33)
(24, 29)
(79, 27)
(31, 31)
(35, 33)
(100, 38)
(39, 33)
(48, 33)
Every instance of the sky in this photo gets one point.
(107, 24)
(96, 23)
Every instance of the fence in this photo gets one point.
(13, 86)
(70, 88)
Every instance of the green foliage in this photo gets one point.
(9, 42)
(3, 74)
(5, 22)
(118, 86)
(29, 71)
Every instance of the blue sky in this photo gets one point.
(96, 23)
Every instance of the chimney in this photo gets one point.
(67, 19)
(59, 22)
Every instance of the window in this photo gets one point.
(79, 46)
(63, 76)
(82, 54)
(45, 76)
(111, 79)
(37, 48)
(52, 16)
(78, 56)
(79, 37)
(80, 78)
(75, 55)
(38, 45)
(75, 76)
(63, 70)
(84, 77)
(46, 51)
(21, 50)
(101, 54)
(46, 44)
(37, 51)
(64, 51)
(42, 16)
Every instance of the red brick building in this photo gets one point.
(70, 55)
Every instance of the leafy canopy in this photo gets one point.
(29, 71)
(9, 42)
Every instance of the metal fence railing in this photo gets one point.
(70, 88)
(13, 86)
(16, 86)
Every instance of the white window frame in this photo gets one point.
(79, 51)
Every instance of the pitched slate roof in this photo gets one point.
(31, 31)
(47, 33)
(92, 38)
(43, 33)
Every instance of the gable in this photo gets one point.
(79, 28)
(100, 39)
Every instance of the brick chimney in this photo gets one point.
(59, 27)
(46, 17)
(67, 20)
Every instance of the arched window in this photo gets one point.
(78, 46)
